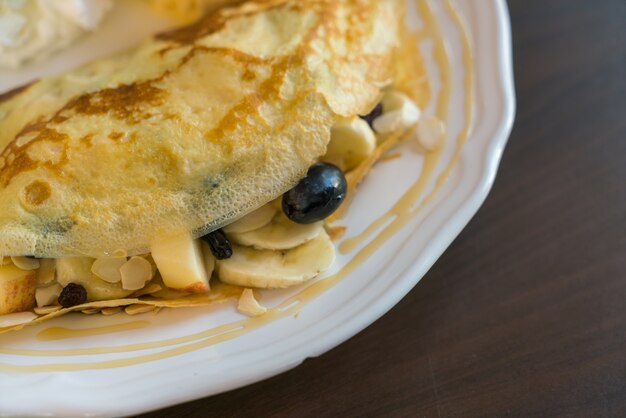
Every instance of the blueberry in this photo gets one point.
(317, 195)
(220, 244)
(376, 112)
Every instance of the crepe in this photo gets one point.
(188, 131)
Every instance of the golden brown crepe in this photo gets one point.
(189, 130)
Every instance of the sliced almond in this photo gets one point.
(48, 295)
(45, 310)
(25, 263)
(90, 311)
(46, 272)
(5, 260)
(111, 311)
(17, 318)
(138, 308)
(135, 273)
(150, 260)
(430, 132)
(248, 305)
(108, 268)
(335, 232)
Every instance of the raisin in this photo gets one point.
(376, 112)
(220, 244)
(73, 294)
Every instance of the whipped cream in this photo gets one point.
(33, 29)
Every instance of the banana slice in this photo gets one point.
(351, 142)
(25, 263)
(277, 269)
(280, 234)
(399, 113)
(181, 263)
(254, 220)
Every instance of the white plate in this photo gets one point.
(165, 375)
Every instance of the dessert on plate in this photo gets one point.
(207, 161)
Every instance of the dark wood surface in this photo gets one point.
(525, 313)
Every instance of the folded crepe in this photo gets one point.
(188, 131)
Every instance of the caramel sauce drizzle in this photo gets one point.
(60, 333)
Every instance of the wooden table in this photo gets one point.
(525, 313)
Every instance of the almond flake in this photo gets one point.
(335, 232)
(108, 268)
(111, 311)
(45, 310)
(248, 305)
(46, 272)
(25, 263)
(90, 311)
(48, 295)
(138, 308)
(430, 132)
(135, 273)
